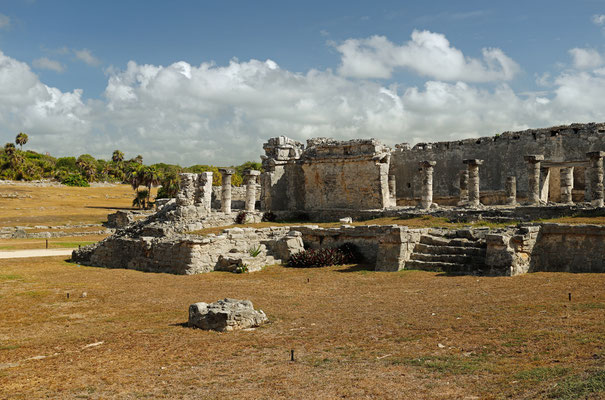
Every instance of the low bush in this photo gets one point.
(317, 258)
(269, 217)
(75, 180)
(241, 218)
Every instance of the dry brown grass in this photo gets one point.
(61, 205)
(356, 334)
(578, 220)
(53, 243)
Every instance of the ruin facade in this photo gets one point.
(504, 157)
(326, 174)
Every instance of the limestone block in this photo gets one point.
(225, 315)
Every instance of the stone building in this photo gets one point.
(327, 174)
(561, 146)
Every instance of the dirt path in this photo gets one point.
(35, 253)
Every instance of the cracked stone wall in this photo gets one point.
(503, 155)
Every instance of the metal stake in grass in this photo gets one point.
(47, 243)
(291, 355)
(570, 296)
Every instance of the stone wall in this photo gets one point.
(569, 248)
(503, 155)
(328, 174)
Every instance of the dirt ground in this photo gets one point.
(355, 334)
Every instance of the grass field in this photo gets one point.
(355, 333)
(61, 205)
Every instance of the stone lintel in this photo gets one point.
(226, 171)
(595, 154)
(427, 164)
(534, 158)
(251, 172)
(473, 161)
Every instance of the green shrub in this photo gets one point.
(75, 180)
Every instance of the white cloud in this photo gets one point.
(59, 121)
(191, 114)
(46, 63)
(586, 58)
(598, 19)
(428, 54)
(5, 21)
(86, 56)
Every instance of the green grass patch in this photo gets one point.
(7, 247)
(34, 294)
(10, 277)
(454, 365)
(9, 347)
(540, 374)
(72, 244)
(580, 387)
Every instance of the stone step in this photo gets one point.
(444, 266)
(431, 249)
(449, 258)
(458, 242)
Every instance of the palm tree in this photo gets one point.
(117, 156)
(9, 149)
(21, 139)
(134, 175)
(151, 176)
(140, 199)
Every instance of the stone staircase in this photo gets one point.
(457, 252)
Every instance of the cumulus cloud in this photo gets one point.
(428, 54)
(221, 114)
(86, 56)
(58, 119)
(598, 19)
(46, 63)
(5, 21)
(586, 58)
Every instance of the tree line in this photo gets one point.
(27, 165)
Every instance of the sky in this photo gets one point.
(200, 82)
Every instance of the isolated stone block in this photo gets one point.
(225, 315)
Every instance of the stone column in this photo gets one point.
(426, 176)
(186, 194)
(251, 175)
(533, 176)
(596, 177)
(587, 184)
(203, 196)
(393, 189)
(566, 178)
(511, 191)
(473, 181)
(463, 187)
(226, 193)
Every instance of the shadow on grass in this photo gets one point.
(357, 268)
(182, 325)
(113, 208)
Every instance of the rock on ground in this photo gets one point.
(225, 315)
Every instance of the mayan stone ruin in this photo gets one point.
(514, 176)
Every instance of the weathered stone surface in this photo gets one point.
(504, 154)
(328, 174)
(225, 315)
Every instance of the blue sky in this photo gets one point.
(207, 82)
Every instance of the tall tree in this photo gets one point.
(21, 139)
(117, 156)
(9, 149)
